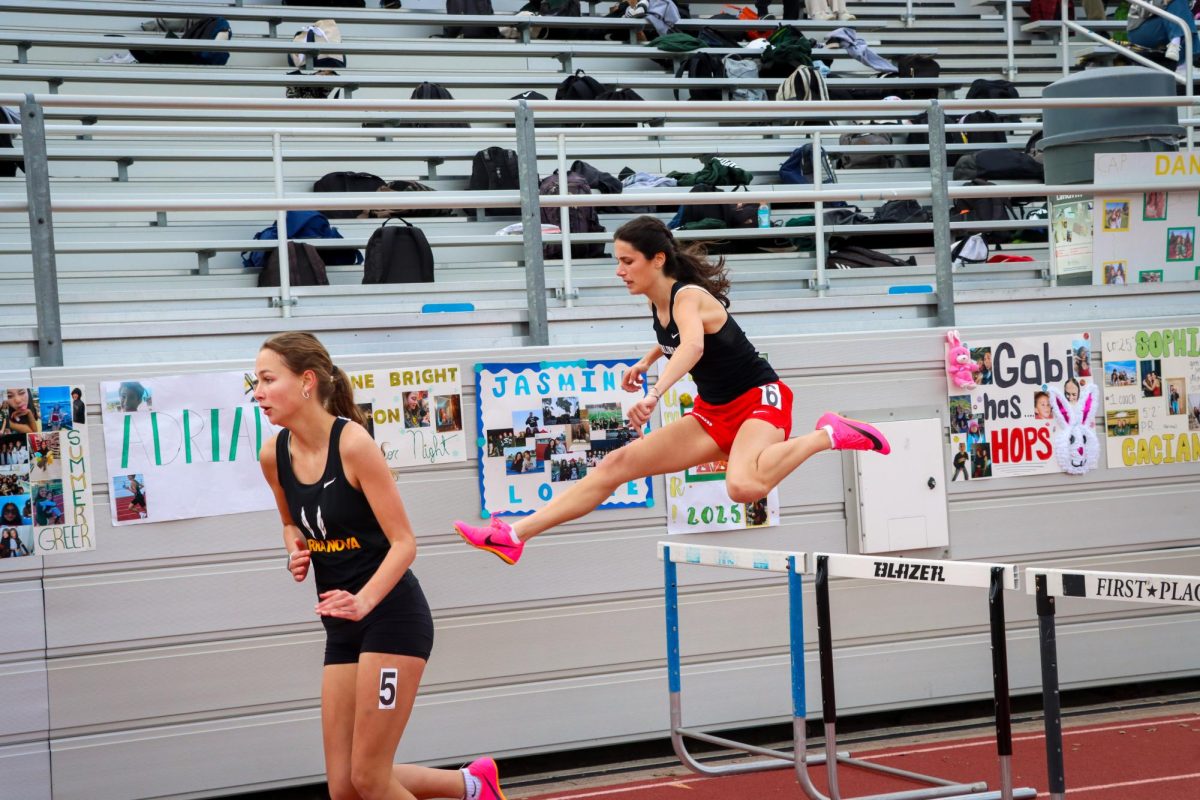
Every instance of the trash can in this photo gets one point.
(1071, 137)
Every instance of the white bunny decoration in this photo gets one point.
(1075, 442)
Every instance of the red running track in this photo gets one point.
(1146, 759)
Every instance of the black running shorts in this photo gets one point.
(401, 625)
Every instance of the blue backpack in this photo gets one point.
(304, 225)
(798, 167)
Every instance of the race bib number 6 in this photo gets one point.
(387, 689)
(771, 396)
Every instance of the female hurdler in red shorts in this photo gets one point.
(743, 414)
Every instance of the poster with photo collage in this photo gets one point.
(696, 498)
(414, 413)
(1002, 428)
(543, 425)
(45, 478)
(1146, 237)
(1152, 396)
(184, 446)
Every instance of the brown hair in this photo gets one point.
(302, 352)
(689, 263)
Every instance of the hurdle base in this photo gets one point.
(771, 759)
(1018, 794)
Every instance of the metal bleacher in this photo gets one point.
(180, 271)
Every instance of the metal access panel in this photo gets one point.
(901, 497)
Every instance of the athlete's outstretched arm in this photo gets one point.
(689, 351)
(363, 461)
(293, 539)
(633, 378)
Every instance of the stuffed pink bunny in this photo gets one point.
(959, 365)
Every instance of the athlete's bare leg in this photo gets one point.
(761, 458)
(674, 447)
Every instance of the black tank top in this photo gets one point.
(344, 537)
(730, 366)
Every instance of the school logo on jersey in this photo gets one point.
(324, 544)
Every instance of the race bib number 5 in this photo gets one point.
(387, 689)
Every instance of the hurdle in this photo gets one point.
(793, 564)
(995, 578)
(1128, 587)
(773, 561)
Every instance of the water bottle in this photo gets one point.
(764, 215)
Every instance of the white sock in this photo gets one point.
(472, 783)
(512, 534)
(829, 429)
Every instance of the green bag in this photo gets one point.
(787, 49)
(716, 172)
(677, 43)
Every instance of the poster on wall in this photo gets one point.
(184, 446)
(696, 498)
(1146, 237)
(1071, 227)
(1002, 427)
(1152, 396)
(543, 425)
(414, 413)
(45, 479)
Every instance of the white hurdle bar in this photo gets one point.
(1125, 587)
(993, 577)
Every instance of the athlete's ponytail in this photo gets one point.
(685, 263)
(302, 352)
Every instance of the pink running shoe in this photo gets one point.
(485, 770)
(495, 537)
(851, 434)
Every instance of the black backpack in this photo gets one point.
(983, 209)
(852, 256)
(701, 65)
(398, 255)
(918, 66)
(901, 211)
(492, 169)
(984, 137)
(432, 91)
(304, 266)
(347, 182)
(475, 8)
(582, 219)
(984, 89)
(580, 86)
(559, 8)
(1006, 164)
(600, 181)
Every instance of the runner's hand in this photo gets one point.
(633, 379)
(639, 415)
(298, 561)
(343, 605)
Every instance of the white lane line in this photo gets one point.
(1074, 791)
(624, 789)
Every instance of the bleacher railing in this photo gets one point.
(40, 206)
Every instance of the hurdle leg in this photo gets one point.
(1000, 681)
(828, 695)
(773, 759)
(1051, 708)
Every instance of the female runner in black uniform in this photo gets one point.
(743, 414)
(342, 514)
